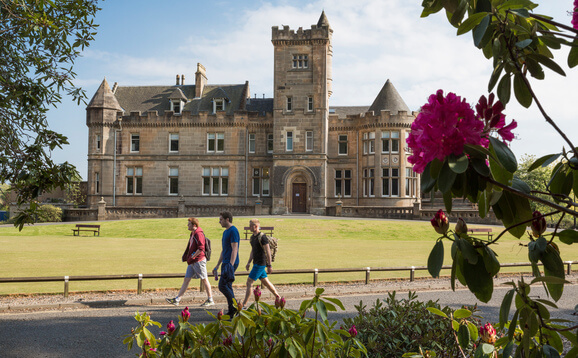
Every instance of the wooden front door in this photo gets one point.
(299, 197)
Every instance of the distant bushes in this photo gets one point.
(49, 213)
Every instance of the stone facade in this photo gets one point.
(214, 145)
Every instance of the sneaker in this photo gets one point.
(173, 301)
(208, 303)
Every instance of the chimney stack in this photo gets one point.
(178, 78)
(200, 80)
(183, 80)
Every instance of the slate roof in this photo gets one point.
(260, 105)
(104, 98)
(323, 21)
(388, 99)
(157, 98)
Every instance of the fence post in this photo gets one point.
(412, 274)
(315, 274)
(66, 286)
(139, 288)
(367, 275)
(569, 263)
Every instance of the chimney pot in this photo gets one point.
(183, 80)
(178, 80)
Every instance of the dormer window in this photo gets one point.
(218, 104)
(177, 106)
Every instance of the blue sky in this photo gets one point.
(148, 42)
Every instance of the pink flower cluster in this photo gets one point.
(280, 302)
(446, 123)
(440, 222)
(257, 293)
(488, 333)
(575, 15)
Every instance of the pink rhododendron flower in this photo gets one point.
(442, 127)
(171, 327)
(488, 333)
(147, 343)
(162, 333)
(538, 224)
(228, 341)
(352, 331)
(575, 15)
(440, 222)
(494, 119)
(186, 314)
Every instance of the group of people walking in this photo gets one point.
(228, 261)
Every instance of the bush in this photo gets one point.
(392, 327)
(49, 213)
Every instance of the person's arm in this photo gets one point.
(235, 247)
(268, 262)
(200, 248)
(250, 260)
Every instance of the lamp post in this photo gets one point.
(119, 122)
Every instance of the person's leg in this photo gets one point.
(184, 287)
(265, 281)
(188, 275)
(226, 289)
(208, 288)
(248, 293)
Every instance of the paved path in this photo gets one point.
(96, 330)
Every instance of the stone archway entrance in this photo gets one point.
(299, 198)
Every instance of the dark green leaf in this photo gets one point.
(436, 259)
(551, 64)
(490, 261)
(504, 155)
(521, 91)
(437, 312)
(464, 336)
(521, 185)
(459, 13)
(427, 182)
(483, 203)
(535, 69)
(478, 280)
(544, 161)
(512, 328)
(473, 331)
(471, 22)
(495, 77)
(505, 307)
(550, 352)
(448, 202)
(446, 178)
(476, 151)
(480, 30)
(504, 88)
(553, 266)
(458, 164)
(568, 236)
(481, 167)
(521, 12)
(468, 251)
(524, 43)
(549, 279)
(573, 55)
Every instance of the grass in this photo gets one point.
(155, 246)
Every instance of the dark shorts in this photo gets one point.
(258, 272)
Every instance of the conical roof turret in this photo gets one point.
(104, 98)
(323, 20)
(388, 99)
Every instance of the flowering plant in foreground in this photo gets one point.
(463, 152)
(275, 332)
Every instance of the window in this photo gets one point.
(215, 181)
(289, 106)
(300, 61)
(369, 143)
(343, 183)
(342, 150)
(251, 142)
(390, 142)
(410, 183)
(133, 180)
(218, 104)
(98, 139)
(310, 104)
(261, 181)
(309, 141)
(134, 142)
(173, 142)
(215, 142)
(368, 182)
(176, 106)
(289, 143)
(173, 181)
(390, 183)
(96, 183)
(270, 143)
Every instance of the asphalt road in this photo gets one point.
(98, 332)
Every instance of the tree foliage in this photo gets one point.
(39, 42)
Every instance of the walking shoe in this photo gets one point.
(173, 301)
(208, 303)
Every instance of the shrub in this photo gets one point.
(392, 327)
(49, 213)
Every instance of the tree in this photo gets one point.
(39, 42)
(464, 153)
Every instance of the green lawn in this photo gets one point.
(155, 246)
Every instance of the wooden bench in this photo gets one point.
(481, 231)
(82, 227)
(268, 230)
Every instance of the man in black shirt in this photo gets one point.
(261, 257)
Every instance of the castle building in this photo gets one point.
(211, 144)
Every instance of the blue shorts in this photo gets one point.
(258, 272)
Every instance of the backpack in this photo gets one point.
(273, 243)
(208, 249)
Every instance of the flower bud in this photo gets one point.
(538, 224)
(461, 227)
(277, 299)
(185, 314)
(488, 333)
(227, 342)
(352, 331)
(440, 222)
(147, 343)
(282, 302)
(171, 327)
(270, 342)
(220, 315)
(257, 293)
(162, 333)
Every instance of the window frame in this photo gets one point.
(342, 181)
(289, 141)
(220, 178)
(341, 142)
(98, 142)
(289, 104)
(309, 141)
(172, 140)
(97, 183)
(135, 142)
(135, 179)
(270, 142)
(261, 175)
(390, 182)
(173, 180)
(251, 142)
(368, 182)
(219, 105)
(300, 61)
(218, 141)
(309, 103)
